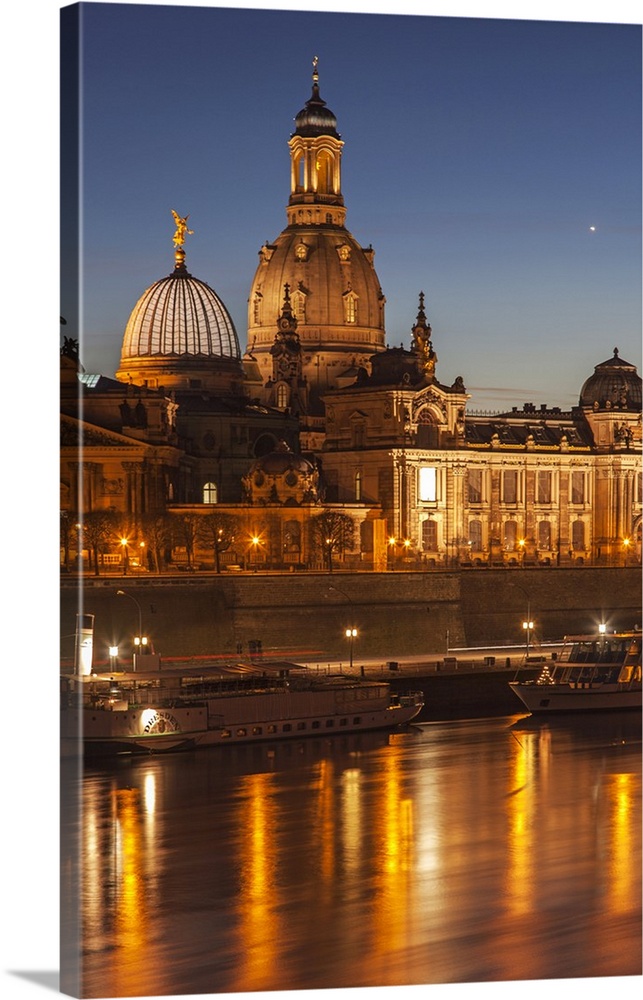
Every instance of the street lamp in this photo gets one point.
(113, 657)
(626, 546)
(125, 544)
(351, 634)
(528, 626)
(255, 543)
(140, 639)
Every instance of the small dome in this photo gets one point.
(615, 384)
(280, 461)
(281, 477)
(315, 118)
(178, 316)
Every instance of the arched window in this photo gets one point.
(358, 485)
(282, 396)
(350, 307)
(324, 167)
(210, 493)
(256, 308)
(298, 300)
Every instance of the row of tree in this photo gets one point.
(100, 532)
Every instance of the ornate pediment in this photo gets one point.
(73, 433)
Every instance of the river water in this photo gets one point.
(455, 852)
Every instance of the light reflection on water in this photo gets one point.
(457, 852)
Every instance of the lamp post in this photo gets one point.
(255, 543)
(113, 657)
(351, 634)
(140, 639)
(528, 626)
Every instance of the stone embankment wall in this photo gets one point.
(305, 616)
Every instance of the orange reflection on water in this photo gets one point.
(622, 863)
(393, 907)
(521, 802)
(131, 910)
(259, 890)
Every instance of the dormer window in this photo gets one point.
(350, 306)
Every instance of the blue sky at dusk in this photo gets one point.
(479, 153)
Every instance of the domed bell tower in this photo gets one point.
(335, 294)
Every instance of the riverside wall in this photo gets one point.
(303, 616)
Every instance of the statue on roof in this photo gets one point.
(181, 229)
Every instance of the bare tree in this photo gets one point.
(96, 531)
(332, 531)
(217, 530)
(186, 528)
(157, 529)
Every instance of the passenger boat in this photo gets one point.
(169, 710)
(593, 673)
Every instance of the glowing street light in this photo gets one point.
(626, 546)
(528, 627)
(351, 634)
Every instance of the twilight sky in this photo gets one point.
(494, 164)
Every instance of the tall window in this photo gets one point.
(350, 307)
(475, 536)
(578, 536)
(474, 483)
(578, 487)
(429, 535)
(210, 493)
(543, 487)
(358, 485)
(544, 535)
(358, 432)
(428, 484)
(282, 396)
(510, 535)
(298, 300)
(510, 486)
(256, 308)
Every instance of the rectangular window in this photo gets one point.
(578, 487)
(475, 535)
(316, 724)
(427, 483)
(543, 487)
(429, 535)
(286, 728)
(544, 535)
(510, 486)
(474, 481)
(272, 729)
(301, 725)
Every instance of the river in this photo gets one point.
(492, 850)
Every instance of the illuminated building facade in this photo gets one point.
(319, 414)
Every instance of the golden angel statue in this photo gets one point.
(181, 229)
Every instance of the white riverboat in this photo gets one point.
(593, 673)
(169, 710)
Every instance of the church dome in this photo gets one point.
(615, 384)
(179, 325)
